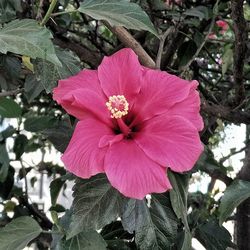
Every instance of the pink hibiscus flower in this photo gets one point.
(223, 25)
(134, 123)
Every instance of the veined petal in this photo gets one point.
(83, 157)
(159, 92)
(90, 102)
(189, 108)
(120, 74)
(170, 141)
(85, 80)
(131, 172)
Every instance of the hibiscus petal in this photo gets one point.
(189, 108)
(86, 80)
(90, 102)
(83, 157)
(120, 74)
(131, 172)
(170, 141)
(159, 92)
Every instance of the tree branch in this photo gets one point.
(226, 113)
(161, 46)
(218, 175)
(39, 15)
(185, 68)
(36, 212)
(90, 57)
(239, 25)
(242, 225)
(11, 92)
(128, 40)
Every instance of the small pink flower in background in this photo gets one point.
(220, 61)
(223, 29)
(134, 123)
(223, 25)
(212, 36)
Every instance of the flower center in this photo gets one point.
(118, 106)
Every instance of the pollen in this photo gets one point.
(118, 106)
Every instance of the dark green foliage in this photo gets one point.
(155, 227)
(34, 57)
(213, 237)
(96, 203)
(18, 233)
(9, 108)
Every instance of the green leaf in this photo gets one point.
(19, 145)
(32, 87)
(48, 74)
(55, 188)
(4, 162)
(155, 226)
(234, 195)
(9, 131)
(9, 108)
(57, 208)
(201, 12)
(227, 58)
(10, 72)
(186, 52)
(213, 237)
(96, 203)
(83, 241)
(59, 135)
(187, 241)
(18, 233)
(119, 13)
(7, 185)
(27, 37)
(39, 123)
(178, 197)
(8, 9)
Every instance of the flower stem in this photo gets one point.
(49, 12)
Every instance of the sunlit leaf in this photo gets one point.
(27, 37)
(119, 13)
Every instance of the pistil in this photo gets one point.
(123, 127)
(118, 107)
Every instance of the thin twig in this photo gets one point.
(63, 13)
(185, 68)
(49, 12)
(39, 14)
(232, 154)
(25, 179)
(161, 47)
(128, 40)
(11, 92)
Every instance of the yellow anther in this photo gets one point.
(118, 106)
